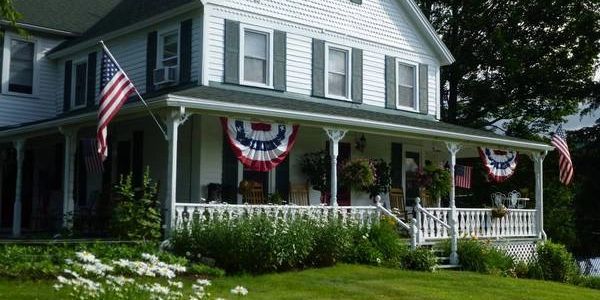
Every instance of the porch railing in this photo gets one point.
(479, 222)
(363, 215)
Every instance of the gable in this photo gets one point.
(393, 23)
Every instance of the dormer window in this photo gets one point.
(168, 55)
(337, 72)
(256, 61)
(407, 86)
(19, 56)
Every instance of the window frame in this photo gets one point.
(261, 30)
(348, 50)
(79, 61)
(160, 45)
(415, 87)
(8, 37)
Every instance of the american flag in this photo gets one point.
(559, 140)
(91, 157)
(116, 89)
(462, 176)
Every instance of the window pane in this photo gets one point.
(406, 96)
(406, 75)
(21, 67)
(170, 45)
(337, 84)
(255, 45)
(337, 61)
(255, 70)
(80, 81)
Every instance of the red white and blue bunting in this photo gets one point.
(499, 164)
(259, 146)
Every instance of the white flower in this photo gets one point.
(188, 254)
(378, 260)
(57, 286)
(177, 284)
(239, 290)
(203, 282)
(149, 257)
(86, 257)
(68, 261)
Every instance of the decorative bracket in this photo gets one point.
(335, 135)
(453, 148)
(538, 157)
(174, 119)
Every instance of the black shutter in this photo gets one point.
(91, 79)
(123, 158)
(232, 52)
(67, 86)
(229, 177)
(137, 164)
(423, 89)
(151, 60)
(279, 60)
(390, 82)
(185, 64)
(282, 178)
(318, 68)
(357, 75)
(2, 35)
(396, 165)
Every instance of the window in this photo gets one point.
(406, 80)
(79, 83)
(20, 76)
(337, 70)
(256, 56)
(168, 54)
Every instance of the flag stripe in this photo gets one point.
(565, 164)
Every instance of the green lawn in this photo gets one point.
(359, 282)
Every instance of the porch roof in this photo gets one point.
(259, 103)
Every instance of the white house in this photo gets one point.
(344, 71)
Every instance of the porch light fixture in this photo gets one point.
(360, 143)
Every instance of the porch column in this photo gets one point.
(174, 119)
(453, 149)
(20, 149)
(69, 175)
(538, 164)
(335, 136)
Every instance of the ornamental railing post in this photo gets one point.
(419, 221)
(335, 136)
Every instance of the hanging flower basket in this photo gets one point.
(499, 212)
(358, 174)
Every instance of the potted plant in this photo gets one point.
(358, 174)
(315, 166)
(435, 180)
(499, 211)
(383, 179)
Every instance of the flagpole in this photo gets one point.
(136, 91)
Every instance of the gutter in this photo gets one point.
(218, 106)
(93, 41)
(43, 29)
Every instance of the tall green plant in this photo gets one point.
(136, 215)
(383, 178)
(315, 166)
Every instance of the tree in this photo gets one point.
(8, 12)
(520, 65)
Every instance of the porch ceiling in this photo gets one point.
(226, 101)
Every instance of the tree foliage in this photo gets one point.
(8, 12)
(520, 65)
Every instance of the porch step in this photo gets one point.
(448, 267)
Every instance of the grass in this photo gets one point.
(359, 282)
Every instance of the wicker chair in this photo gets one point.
(426, 199)
(299, 195)
(397, 202)
(256, 194)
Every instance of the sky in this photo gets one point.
(575, 122)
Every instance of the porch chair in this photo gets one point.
(497, 199)
(299, 194)
(426, 199)
(397, 202)
(256, 194)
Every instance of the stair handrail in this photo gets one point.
(420, 208)
(392, 215)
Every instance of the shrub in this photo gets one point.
(420, 259)
(478, 256)
(207, 271)
(554, 263)
(587, 281)
(331, 243)
(137, 214)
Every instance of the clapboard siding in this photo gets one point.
(16, 109)
(367, 28)
(130, 51)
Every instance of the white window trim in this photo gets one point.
(73, 82)
(348, 69)
(416, 86)
(263, 30)
(6, 65)
(160, 48)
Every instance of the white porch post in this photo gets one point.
(20, 148)
(335, 136)
(69, 175)
(538, 163)
(174, 119)
(453, 149)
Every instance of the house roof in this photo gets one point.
(72, 16)
(340, 113)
